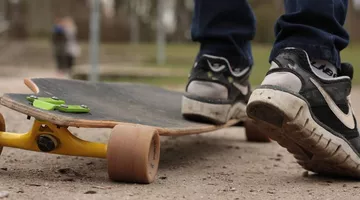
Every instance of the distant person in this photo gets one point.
(65, 45)
(304, 99)
(59, 46)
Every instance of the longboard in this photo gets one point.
(137, 114)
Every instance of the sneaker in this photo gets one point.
(306, 108)
(216, 91)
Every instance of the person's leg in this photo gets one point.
(303, 105)
(70, 63)
(58, 62)
(218, 87)
(62, 65)
(61, 59)
(224, 28)
(314, 26)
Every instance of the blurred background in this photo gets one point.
(144, 41)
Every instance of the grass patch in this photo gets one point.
(157, 81)
(181, 56)
(352, 55)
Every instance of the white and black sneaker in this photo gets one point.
(305, 106)
(216, 91)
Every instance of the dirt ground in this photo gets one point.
(219, 165)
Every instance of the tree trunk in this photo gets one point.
(39, 18)
(134, 23)
(2, 7)
(183, 21)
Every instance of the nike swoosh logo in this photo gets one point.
(243, 89)
(346, 119)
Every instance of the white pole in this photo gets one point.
(94, 40)
(161, 35)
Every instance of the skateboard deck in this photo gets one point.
(110, 104)
(137, 114)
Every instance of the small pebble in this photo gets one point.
(90, 163)
(4, 194)
(68, 179)
(100, 187)
(90, 192)
(33, 184)
(20, 191)
(64, 170)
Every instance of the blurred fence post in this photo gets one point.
(161, 34)
(3, 22)
(94, 40)
(134, 23)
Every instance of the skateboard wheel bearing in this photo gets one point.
(47, 143)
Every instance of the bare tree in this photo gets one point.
(39, 16)
(134, 23)
(183, 20)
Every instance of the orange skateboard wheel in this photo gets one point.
(2, 127)
(133, 154)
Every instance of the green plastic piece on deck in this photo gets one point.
(52, 100)
(54, 103)
(73, 108)
(43, 105)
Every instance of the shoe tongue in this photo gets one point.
(324, 69)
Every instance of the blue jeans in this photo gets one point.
(226, 27)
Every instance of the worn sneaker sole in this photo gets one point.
(287, 119)
(215, 113)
